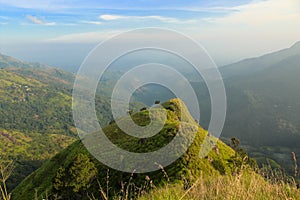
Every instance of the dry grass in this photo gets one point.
(247, 185)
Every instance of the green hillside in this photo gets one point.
(35, 122)
(30, 105)
(36, 114)
(29, 151)
(58, 175)
(39, 99)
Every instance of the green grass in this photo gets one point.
(247, 185)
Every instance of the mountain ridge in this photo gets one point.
(256, 64)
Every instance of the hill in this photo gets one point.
(58, 175)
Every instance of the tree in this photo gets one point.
(82, 172)
(77, 177)
(142, 109)
(235, 143)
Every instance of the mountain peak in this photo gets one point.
(180, 109)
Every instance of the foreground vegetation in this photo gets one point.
(246, 185)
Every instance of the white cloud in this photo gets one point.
(36, 20)
(91, 22)
(149, 17)
(4, 17)
(251, 30)
(262, 12)
(112, 17)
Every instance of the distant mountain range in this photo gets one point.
(253, 65)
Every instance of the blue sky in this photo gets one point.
(229, 29)
(74, 16)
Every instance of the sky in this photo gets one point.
(61, 33)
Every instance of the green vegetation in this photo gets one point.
(29, 105)
(76, 178)
(36, 121)
(29, 151)
(187, 168)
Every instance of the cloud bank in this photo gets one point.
(39, 21)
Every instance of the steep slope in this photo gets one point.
(55, 176)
